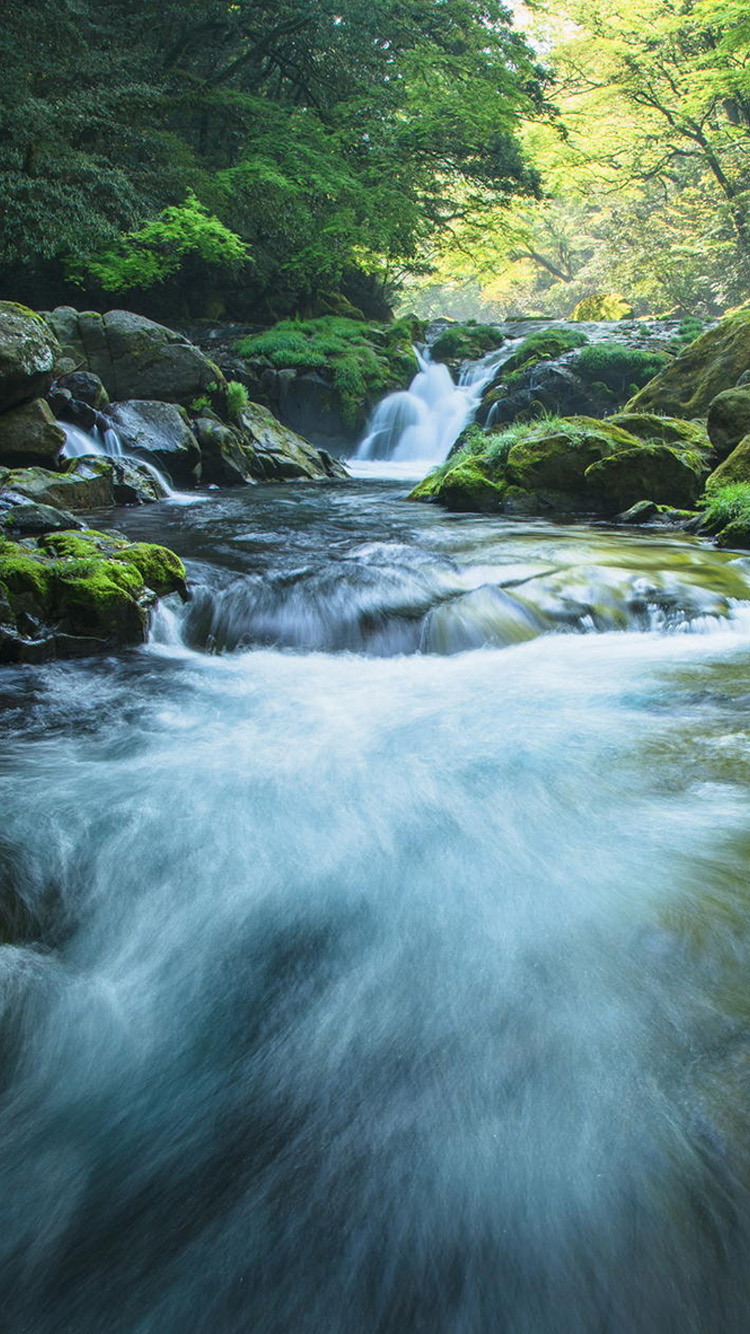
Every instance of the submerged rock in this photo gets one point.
(29, 353)
(72, 593)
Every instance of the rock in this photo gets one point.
(134, 357)
(743, 380)
(226, 459)
(281, 454)
(88, 484)
(20, 517)
(734, 468)
(85, 387)
(667, 430)
(660, 473)
(467, 487)
(554, 462)
(728, 420)
(465, 342)
(70, 593)
(135, 483)
(604, 306)
(641, 512)
(709, 365)
(29, 352)
(161, 433)
(29, 434)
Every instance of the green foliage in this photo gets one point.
(327, 141)
(158, 249)
(689, 329)
(237, 399)
(727, 513)
(362, 361)
(619, 367)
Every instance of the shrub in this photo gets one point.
(237, 399)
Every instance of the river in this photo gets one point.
(395, 936)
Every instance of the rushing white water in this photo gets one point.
(400, 994)
(78, 443)
(106, 443)
(415, 428)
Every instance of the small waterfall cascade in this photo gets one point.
(418, 425)
(105, 442)
(102, 441)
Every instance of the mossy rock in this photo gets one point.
(30, 435)
(544, 345)
(707, 367)
(465, 342)
(735, 468)
(728, 420)
(603, 306)
(649, 426)
(468, 486)
(556, 460)
(29, 353)
(656, 472)
(75, 592)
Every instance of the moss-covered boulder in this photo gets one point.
(465, 342)
(708, 366)
(134, 357)
(660, 473)
(89, 483)
(467, 486)
(728, 420)
(552, 461)
(73, 593)
(226, 458)
(29, 353)
(30, 435)
(603, 306)
(735, 468)
(667, 430)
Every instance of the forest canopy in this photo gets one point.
(281, 151)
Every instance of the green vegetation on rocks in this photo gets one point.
(78, 592)
(620, 368)
(606, 306)
(465, 342)
(709, 365)
(545, 345)
(727, 513)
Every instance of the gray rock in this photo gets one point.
(20, 517)
(134, 357)
(161, 433)
(226, 459)
(281, 454)
(30, 435)
(28, 355)
(88, 484)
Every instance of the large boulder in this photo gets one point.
(30, 435)
(281, 454)
(161, 433)
(659, 473)
(708, 366)
(734, 468)
(87, 485)
(29, 352)
(134, 357)
(728, 420)
(226, 459)
(553, 462)
(73, 593)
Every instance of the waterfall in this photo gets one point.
(413, 429)
(105, 442)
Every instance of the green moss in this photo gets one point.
(159, 568)
(26, 577)
(467, 486)
(710, 364)
(544, 345)
(466, 342)
(618, 366)
(668, 430)
(656, 472)
(604, 306)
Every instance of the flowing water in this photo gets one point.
(388, 939)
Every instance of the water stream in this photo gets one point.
(392, 936)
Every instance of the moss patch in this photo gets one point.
(708, 365)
